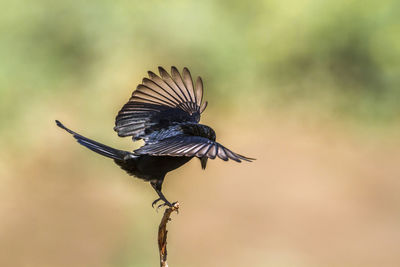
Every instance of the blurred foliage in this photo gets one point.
(340, 56)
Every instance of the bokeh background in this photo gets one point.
(309, 88)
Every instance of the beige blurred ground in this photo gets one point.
(319, 194)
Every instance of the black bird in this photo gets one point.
(164, 111)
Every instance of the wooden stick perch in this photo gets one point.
(162, 234)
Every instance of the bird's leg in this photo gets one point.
(157, 187)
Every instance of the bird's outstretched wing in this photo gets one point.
(159, 102)
(190, 146)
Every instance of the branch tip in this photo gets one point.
(162, 233)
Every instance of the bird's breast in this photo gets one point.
(149, 167)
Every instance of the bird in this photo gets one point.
(164, 111)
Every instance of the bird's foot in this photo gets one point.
(166, 203)
(155, 202)
(174, 206)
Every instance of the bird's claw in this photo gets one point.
(155, 201)
(171, 206)
(168, 204)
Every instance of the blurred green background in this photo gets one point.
(309, 88)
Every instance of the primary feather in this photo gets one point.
(161, 102)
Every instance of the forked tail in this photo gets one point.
(97, 147)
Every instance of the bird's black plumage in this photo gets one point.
(164, 111)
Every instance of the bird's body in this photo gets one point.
(165, 113)
(151, 168)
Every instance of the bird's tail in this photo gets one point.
(97, 147)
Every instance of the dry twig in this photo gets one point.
(162, 234)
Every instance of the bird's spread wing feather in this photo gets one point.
(190, 146)
(159, 102)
